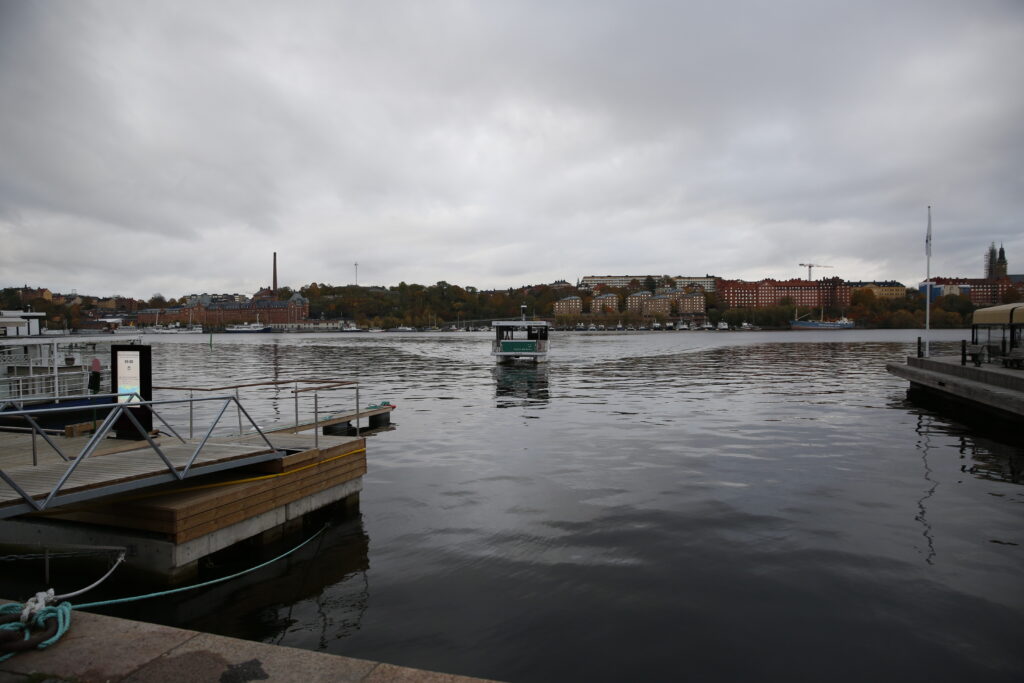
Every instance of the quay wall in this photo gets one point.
(103, 648)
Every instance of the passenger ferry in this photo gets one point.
(520, 340)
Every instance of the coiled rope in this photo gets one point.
(38, 623)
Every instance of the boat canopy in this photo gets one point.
(520, 323)
(999, 327)
(1007, 314)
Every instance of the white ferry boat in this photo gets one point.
(520, 340)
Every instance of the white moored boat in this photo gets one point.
(256, 327)
(520, 340)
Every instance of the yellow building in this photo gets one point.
(889, 289)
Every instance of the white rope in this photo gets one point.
(35, 604)
(120, 559)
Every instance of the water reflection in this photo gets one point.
(521, 385)
(320, 593)
(992, 460)
(924, 444)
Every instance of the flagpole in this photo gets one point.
(928, 284)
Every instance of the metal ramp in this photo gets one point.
(96, 470)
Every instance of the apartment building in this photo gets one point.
(659, 305)
(605, 303)
(570, 305)
(635, 301)
(889, 289)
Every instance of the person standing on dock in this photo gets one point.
(94, 377)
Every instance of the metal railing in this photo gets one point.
(38, 386)
(319, 385)
(115, 413)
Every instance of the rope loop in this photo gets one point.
(35, 604)
(43, 629)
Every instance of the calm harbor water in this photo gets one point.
(646, 506)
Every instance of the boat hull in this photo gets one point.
(821, 324)
(263, 329)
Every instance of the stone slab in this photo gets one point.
(101, 648)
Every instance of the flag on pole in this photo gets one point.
(928, 236)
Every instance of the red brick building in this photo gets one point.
(570, 305)
(635, 301)
(605, 303)
(214, 315)
(803, 293)
(983, 292)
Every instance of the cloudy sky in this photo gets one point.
(172, 147)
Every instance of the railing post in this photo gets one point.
(296, 394)
(920, 349)
(34, 460)
(963, 352)
(357, 410)
(191, 411)
(238, 409)
(316, 419)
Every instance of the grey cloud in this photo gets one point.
(493, 144)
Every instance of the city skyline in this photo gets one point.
(152, 147)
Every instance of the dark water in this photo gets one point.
(659, 506)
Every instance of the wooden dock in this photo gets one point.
(372, 415)
(117, 467)
(172, 525)
(184, 512)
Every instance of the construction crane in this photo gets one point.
(809, 266)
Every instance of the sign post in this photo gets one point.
(131, 378)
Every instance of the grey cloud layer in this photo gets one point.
(497, 144)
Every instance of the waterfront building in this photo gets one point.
(294, 310)
(570, 305)
(982, 291)
(659, 305)
(605, 303)
(832, 292)
(635, 301)
(690, 302)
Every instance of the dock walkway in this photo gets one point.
(991, 387)
(116, 468)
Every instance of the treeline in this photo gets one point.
(415, 305)
(444, 304)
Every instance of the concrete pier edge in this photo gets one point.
(994, 389)
(102, 648)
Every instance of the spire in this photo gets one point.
(275, 270)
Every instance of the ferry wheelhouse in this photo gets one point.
(520, 340)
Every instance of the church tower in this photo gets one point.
(1001, 266)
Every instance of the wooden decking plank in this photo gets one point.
(250, 504)
(169, 502)
(176, 506)
(125, 466)
(241, 515)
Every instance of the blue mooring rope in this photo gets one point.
(62, 611)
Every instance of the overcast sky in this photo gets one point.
(172, 147)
